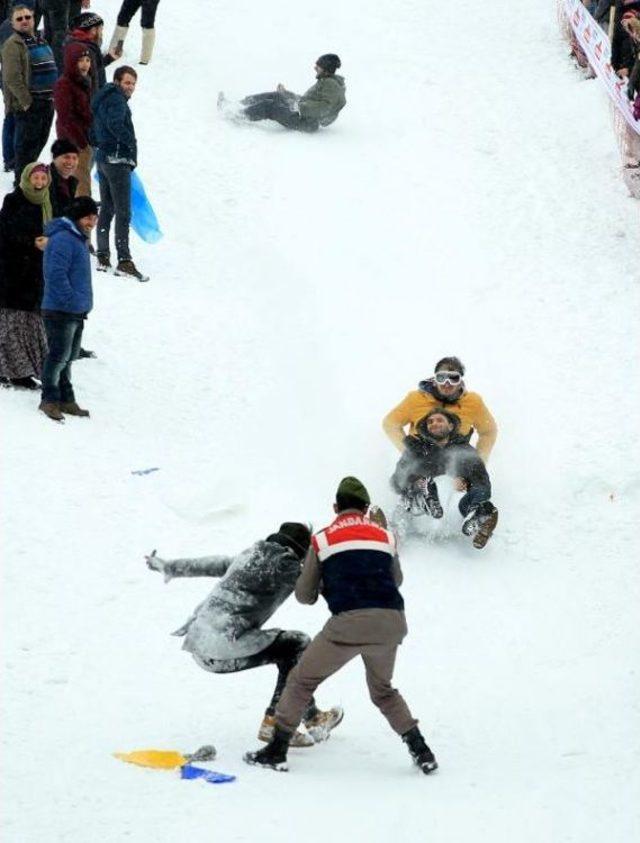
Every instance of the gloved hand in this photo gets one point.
(155, 563)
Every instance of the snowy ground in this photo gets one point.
(467, 201)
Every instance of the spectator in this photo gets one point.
(72, 98)
(319, 106)
(64, 183)
(67, 300)
(87, 30)
(147, 22)
(116, 157)
(23, 343)
(28, 76)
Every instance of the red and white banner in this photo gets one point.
(597, 49)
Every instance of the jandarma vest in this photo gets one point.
(356, 558)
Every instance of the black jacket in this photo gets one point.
(60, 197)
(20, 261)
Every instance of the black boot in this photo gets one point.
(274, 755)
(419, 750)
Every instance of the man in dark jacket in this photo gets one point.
(436, 449)
(319, 106)
(116, 157)
(225, 633)
(354, 563)
(28, 76)
(68, 298)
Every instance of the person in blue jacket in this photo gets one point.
(114, 139)
(67, 299)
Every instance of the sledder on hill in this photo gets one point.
(435, 449)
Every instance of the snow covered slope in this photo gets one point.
(466, 201)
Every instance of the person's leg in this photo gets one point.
(106, 211)
(259, 106)
(148, 16)
(46, 112)
(120, 185)
(66, 387)
(379, 661)
(476, 494)
(83, 172)
(60, 334)
(127, 11)
(31, 134)
(321, 659)
(56, 20)
(8, 146)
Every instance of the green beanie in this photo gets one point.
(354, 488)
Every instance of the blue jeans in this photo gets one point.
(64, 334)
(8, 148)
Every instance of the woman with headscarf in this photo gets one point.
(23, 342)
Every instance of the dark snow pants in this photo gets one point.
(57, 16)
(284, 652)
(115, 199)
(279, 107)
(130, 7)
(409, 469)
(32, 129)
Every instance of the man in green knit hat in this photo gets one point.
(354, 563)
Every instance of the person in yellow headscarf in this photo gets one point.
(445, 390)
(23, 342)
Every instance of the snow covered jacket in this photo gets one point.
(72, 99)
(424, 457)
(468, 407)
(227, 625)
(67, 269)
(112, 132)
(324, 100)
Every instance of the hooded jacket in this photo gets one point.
(324, 100)
(468, 407)
(67, 269)
(112, 132)
(72, 99)
(227, 625)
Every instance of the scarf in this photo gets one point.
(37, 197)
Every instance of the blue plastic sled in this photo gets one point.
(143, 218)
(189, 772)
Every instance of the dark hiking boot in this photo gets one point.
(52, 410)
(24, 383)
(70, 408)
(104, 262)
(433, 506)
(321, 724)
(268, 727)
(419, 750)
(481, 524)
(274, 755)
(128, 269)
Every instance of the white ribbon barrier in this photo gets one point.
(597, 49)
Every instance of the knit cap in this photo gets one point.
(63, 146)
(329, 62)
(354, 488)
(81, 206)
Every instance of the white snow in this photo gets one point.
(467, 201)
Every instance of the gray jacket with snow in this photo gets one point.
(227, 625)
(324, 100)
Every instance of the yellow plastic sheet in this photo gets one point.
(162, 759)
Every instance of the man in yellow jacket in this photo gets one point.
(445, 390)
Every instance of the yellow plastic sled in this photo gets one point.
(160, 759)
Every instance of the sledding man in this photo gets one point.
(319, 106)
(446, 391)
(438, 448)
(354, 563)
(225, 635)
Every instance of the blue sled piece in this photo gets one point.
(143, 218)
(190, 772)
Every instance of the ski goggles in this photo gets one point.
(454, 378)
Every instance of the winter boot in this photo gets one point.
(52, 410)
(320, 726)
(128, 269)
(481, 524)
(419, 750)
(274, 755)
(267, 730)
(148, 40)
(85, 354)
(70, 408)
(117, 41)
(24, 383)
(104, 263)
